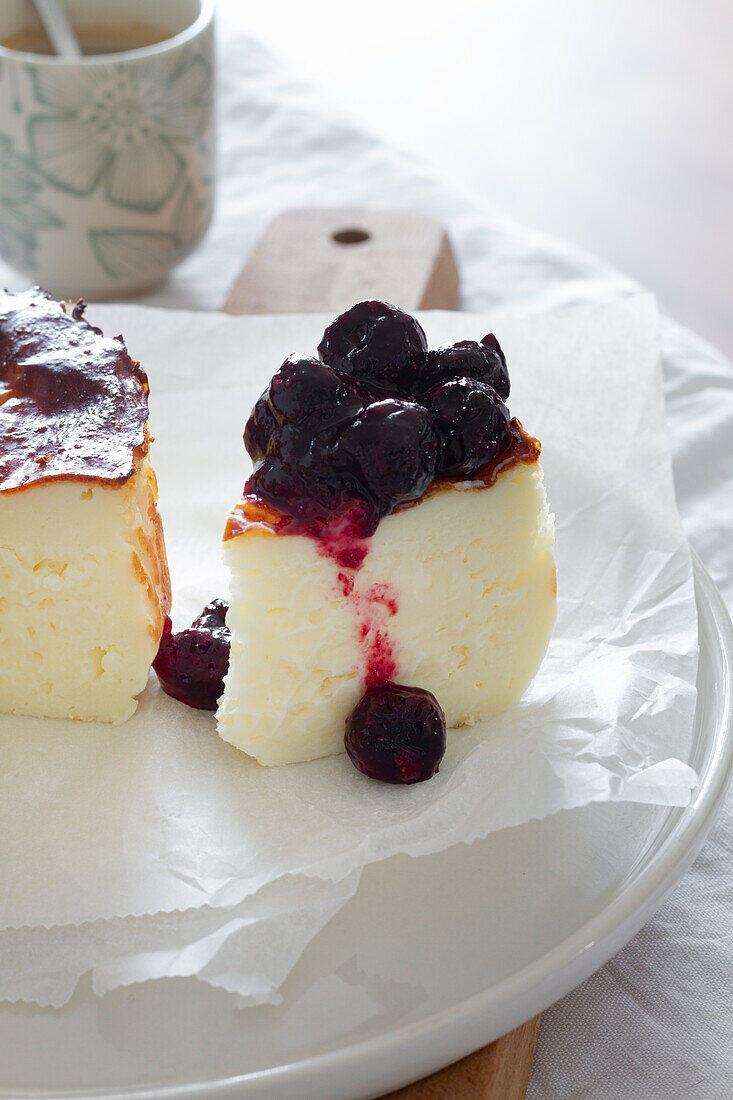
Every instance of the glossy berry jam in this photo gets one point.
(377, 346)
(396, 734)
(302, 394)
(306, 392)
(293, 432)
(260, 429)
(390, 452)
(499, 377)
(213, 618)
(385, 455)
(303, 476)
(482, 362)
(472, 423)
(192, 664)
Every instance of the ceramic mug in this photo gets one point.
(106, 161)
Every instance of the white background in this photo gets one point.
(608, 122)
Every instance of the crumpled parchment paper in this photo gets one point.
(101, 825)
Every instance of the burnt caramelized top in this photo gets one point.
(252, 513)
(73, 404)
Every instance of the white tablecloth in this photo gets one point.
(655, 1022)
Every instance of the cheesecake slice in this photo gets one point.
(456, 594)
(395, 531)
(84, 585)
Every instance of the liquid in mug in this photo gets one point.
(93, 39)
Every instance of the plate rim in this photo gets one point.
(381, 1063)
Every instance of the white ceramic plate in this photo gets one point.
(433, 957)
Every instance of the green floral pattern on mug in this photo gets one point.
(122, 253)
(22, 215)
(106, 165)
(119, 128)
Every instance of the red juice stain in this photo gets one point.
(346, 583)
(382, 593)
(346, 540)
(381, 665)
(351, 558)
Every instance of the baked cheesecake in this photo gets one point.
(84, 585)
(395, 531)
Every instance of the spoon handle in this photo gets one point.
(57, 26)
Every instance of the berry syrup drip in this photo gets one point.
(346, 543)
(344, 539)
(380, 664)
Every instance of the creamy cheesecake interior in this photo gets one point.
(81, 572)
(459, 589)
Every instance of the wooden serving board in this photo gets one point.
(322, 261)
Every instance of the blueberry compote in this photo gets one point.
(192, 664)
(396, 734)
(370, 425)
(342, 441)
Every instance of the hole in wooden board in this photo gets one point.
(351, 236)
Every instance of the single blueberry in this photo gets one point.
(483, 362)
(472, 423)
(396, 734)
(301, 477)
(191, 665)
(279, 481)
(390, 452)
(377, 346)
(305, 391)
(500, 375)
(260, 429)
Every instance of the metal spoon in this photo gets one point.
(57, 25)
